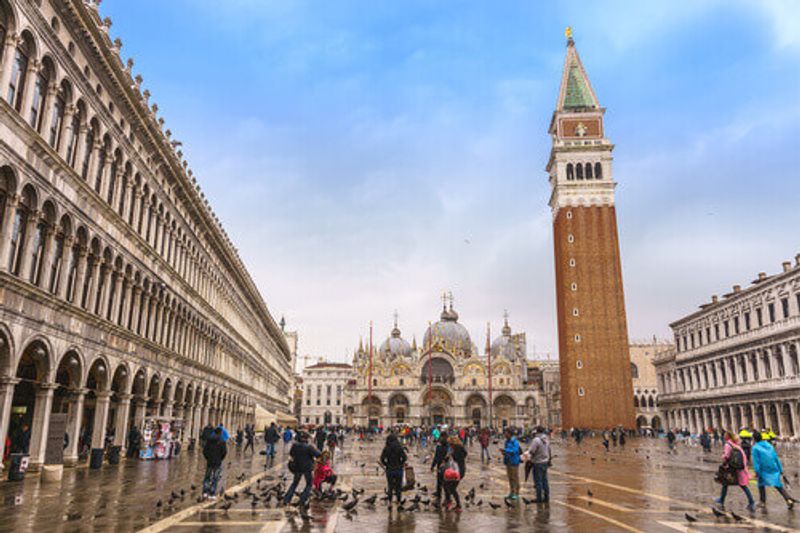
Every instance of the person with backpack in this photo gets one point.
(439, 456)
(733, 471)
(511, 458)
(769, 470)
(271, 436)
(393, 458)
(453, 473)
(214, 452)
(301, 465)
(287, 438)
(539, 454)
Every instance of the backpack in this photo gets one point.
(452, 472)
(736, 460)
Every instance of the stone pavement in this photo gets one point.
(642, 488)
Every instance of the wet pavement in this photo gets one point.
(641, 488)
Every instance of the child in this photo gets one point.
(323, 473)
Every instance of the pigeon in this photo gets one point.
(717, 513)
(690, 518)
(508, 503)
(173, 495)
(413, 507)
(736, 517)
(590, 493)
(194, 487)
(480, 502)
(350, 505)
(527, 501)
(159, 503)
(494, 505)
(371, 499)
(226, 505)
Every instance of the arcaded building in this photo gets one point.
(737, 359)
(121, 296)
(446, 380)
(596, 388)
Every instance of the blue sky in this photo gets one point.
(364, 156)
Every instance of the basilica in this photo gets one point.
(447, 380)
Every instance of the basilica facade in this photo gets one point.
(446, 380)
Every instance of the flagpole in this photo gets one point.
(489, 360)
(369, 384)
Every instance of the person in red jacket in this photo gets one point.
(323, 473)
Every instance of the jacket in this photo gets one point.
(511, 452)
(271, 435)
(483, 438)
(743, 475)
(540, 449)
(215, 451)
(321, 473)
(767, 465)
(303, 455)
(459, 455)
(393, 457)
(439, 455)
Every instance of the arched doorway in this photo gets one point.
(27, 432)
(96, 408)
(441, 372)
(398, 406)
(372, 409)
(504, 407)
(68, 399)
(437, 408)
(476, 410)
(641, 422)
(120, 406)
(655, 423)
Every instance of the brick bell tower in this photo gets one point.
(596, 386)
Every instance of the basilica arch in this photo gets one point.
(476, 410)
(437, 407)
(504, 410)
(399, 407)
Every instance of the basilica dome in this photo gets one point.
(449, 334)
(505, 345)
(395, 346)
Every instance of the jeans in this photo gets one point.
(724, 493)
(213, 474)
(394, 478)
(270, 449)
(296, 481)
(249, 445)
(451, 491)
(485, 451)
(762, 494)
(540, 481)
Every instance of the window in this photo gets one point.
(575, 311)
(581, 392)
(771, 310)
(588, 171)
(598, 171)
(577, 338)
(570, 172)
(374, 382)
(759, 317)
(708, 335)
(474, 382)
(308, 401)
(727, 327)
(57, 119)
(579, 364)
(736, 325)
(634, 371)
(569, 214)
(785, 307)
(401, 382)
(747, 321)
(572, 263)
(579, 171)
(570, 238)
(16, 84)
(37, 102)
(574, 287)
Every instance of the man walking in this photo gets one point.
(249, 435)
(214, 452)
(539, 453)
(301, 464)
(511, 453)
(271, 437)
(483, 439)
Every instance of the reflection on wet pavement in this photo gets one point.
(642, 488)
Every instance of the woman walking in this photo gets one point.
(734, 470)
(393, 459)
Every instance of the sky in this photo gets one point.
(366, 156)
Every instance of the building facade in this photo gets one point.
(645, 382)
(445, 381)
(323, 399)
(736, 363)
(121, 295)
(596, 387)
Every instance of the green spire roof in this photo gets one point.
(577, 94)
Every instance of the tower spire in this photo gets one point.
(576, 92)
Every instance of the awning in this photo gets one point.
(286, 420)
(263, 417)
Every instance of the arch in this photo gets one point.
(641, 422)
(598, 171)
(69, 372)
(579, 171)
(635, 401)
(99, 375)
(588, 171)
(441, 371)
(24, 54)
(8, 21)
(35, 363)
(6, 350)
(120, 383)
(570, 172)
(634, 371)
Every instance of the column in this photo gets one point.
(80, 148)
(121, 422)
(126, 306)
(91, 172)
(74, 419)
(27, 94)
(117, 296)
(792, 414)
(101, 404)
(9, 46)
(777, 422)
(8, 225)
(7, 385)
(27, 249)
(91, 291)
(66, 131)
(139, 410)
(47, 109)
(136, 303)
(105, 175)
(46, 260)
(168, 406)
(41, 422)
(102, 306)
(787, 363)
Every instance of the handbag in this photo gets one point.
(451, 472)
(411, 478)
(726, 475)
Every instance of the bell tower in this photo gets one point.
(596, 386)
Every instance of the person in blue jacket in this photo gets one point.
(511, 454)
(768, 470)
(225, 434)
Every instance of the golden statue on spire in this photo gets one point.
(568, 34)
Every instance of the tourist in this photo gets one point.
(239, 437)
(225, 434)
(393, 458)
(214, 452)
(511, 458)
(250, 436)
(606, 437)
(301, 464)
(769, 470)
(622, 438)
(671, 440)
(539, 454)
(333, 441)
(459, 455)
(451, 474)
(439, 456)
(206, 434)
(319, 438)
(734, 463)
(483, 439)
(287, 438)
(323, 473)
(746, 441)
(271, 436)
(134, 440)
